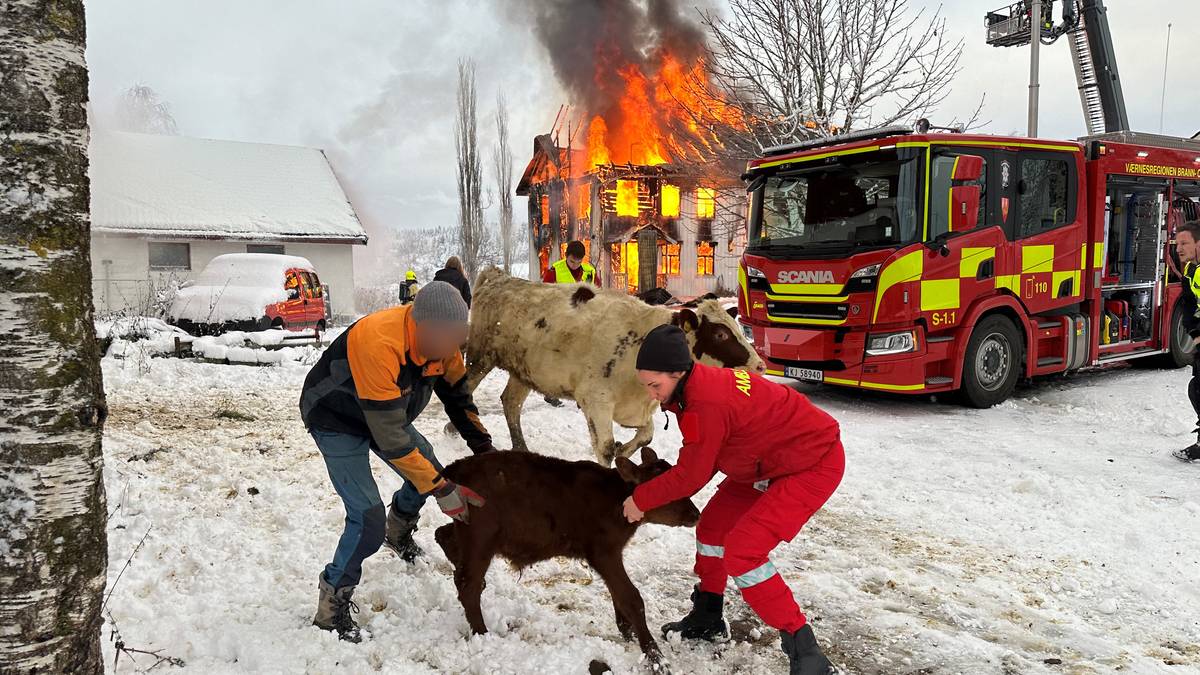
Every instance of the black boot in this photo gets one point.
(399, 535)
(704, 622)
(333, 611)
(804, 654)
(1188, 454)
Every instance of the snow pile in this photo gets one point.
(178, 186)
(252, 347)
(138, 336)
(1051, 534)
(235, 287)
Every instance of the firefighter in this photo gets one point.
(1189, 257)
(782, 458)
(362, 397)
(573, 268)
(408, 289)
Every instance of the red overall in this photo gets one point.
(783, 459)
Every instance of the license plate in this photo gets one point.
(805, 374)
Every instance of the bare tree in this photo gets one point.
(799, 69)
(502, 161)
(140, 110)
(472, 230)
(53, 549)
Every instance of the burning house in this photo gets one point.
(634, 177)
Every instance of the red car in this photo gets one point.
(251, 291)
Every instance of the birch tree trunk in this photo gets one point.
(53, 553)
(503, 163)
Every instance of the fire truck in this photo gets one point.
(920, 261)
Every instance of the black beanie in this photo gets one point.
(665, 349)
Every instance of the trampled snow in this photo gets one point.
(1052, 534)
(236, 286)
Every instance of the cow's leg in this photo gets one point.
(599, 414)
(626, 600)
(643, 437)
(474, 559)
(513, 398)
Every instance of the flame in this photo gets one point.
(669, 113)
(706, 202)
(627, 198)
(668, 198)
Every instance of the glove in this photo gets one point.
(454, 499)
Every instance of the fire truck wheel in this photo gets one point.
(992, 364)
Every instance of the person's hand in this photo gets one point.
(632, 512)
(454, 501)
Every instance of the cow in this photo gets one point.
(574, 341)
(539, 507)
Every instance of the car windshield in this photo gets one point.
(849, 201)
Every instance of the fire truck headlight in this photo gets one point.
(864, 279)
(866, 272)
(884, 344)
(755, 273)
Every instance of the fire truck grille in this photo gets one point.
(807, 310)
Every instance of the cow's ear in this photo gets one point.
(732, 312)
(626, 469)
(649, 456)
(686, 319)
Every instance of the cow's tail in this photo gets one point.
(488, 275)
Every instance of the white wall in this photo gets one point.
(122, 280)
(725, 264)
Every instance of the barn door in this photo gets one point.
(647, 240)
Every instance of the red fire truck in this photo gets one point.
(916, 262)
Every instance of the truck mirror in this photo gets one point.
(967, 168)
(964, 207)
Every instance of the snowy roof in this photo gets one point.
(173, 186)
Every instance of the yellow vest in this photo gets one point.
(1191, 276)
(562, 273)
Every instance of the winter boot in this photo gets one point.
(804, 654)
(333, 611)
(1188, 454)
(399, 535)
(704, 622)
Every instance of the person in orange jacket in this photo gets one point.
(782, 458)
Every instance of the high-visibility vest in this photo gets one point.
(1191, 274)
(563, 275)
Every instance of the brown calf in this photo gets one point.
(540, 507)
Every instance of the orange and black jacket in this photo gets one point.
(371, 383)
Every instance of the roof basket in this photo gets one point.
(864, 135)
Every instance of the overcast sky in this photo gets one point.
(372, 81)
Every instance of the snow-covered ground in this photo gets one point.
(1052, 534)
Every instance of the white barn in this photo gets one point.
(163, 206)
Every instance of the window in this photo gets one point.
(669, 199)
(170, 256)
(706, 202)
(941, 175)
(706, 256)
(668, 259)
(1044, 187)
(313, 285)
(704, 230)
(265, 248)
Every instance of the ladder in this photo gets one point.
(1085, 75)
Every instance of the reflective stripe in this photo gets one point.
(755, 576)
(710, 551)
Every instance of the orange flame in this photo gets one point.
(627, 198)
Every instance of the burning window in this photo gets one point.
(627, 198)
(706, 258)
(624, 261)
(668, 198)
(545, 209)
(668, 259)
(585, 202)
(706, 202)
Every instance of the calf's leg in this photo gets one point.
(513, 397)
(626, 600)
(474, 558)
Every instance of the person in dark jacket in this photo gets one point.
(452, 274)
(361, 398)
(1189, 258)
(782, 457)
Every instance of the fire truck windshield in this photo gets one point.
(846, 202)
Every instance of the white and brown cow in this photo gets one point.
(574, 341)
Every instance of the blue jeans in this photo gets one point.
(348, 460)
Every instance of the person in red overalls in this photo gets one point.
(782, 458)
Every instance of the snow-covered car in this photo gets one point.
(251, 291)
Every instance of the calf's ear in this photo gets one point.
(686, 319)
(649, 456)
(626, 469)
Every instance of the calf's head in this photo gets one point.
(716, 338)
(681, 513)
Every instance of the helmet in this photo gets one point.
(410, 276)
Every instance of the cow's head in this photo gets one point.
(715, 337)
(679, 513)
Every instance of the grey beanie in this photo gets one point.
(439, 301)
